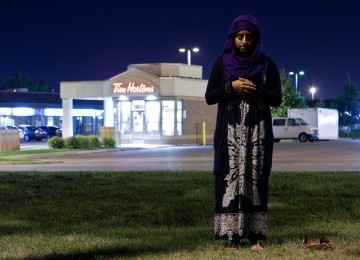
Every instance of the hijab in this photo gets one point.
(237, 64)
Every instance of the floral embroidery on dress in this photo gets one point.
(240, 223)
(246, 158)
(246, 155)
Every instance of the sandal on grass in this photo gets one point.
(323, 244)
(326, 244)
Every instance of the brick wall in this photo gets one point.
(197, 111)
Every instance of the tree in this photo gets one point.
(40, 86)
(348, 103)
(320, 103)
(291, 98)
(20, 80)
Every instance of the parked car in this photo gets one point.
(33, 133)
(51, 130)
(294, 128)
(21, 132)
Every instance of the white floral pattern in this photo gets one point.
(240, 223)
(246, 158)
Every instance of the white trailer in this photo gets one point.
(325, 119)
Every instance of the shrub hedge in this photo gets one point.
(81, 142)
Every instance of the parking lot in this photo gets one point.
(340, 155)
(33, 145)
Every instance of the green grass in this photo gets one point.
(167, 215)
(21, 156)
(26, 152)
(46, 150)
(29, 156)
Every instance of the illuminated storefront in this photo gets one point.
(149, 103)
(20, 107)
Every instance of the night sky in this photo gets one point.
(70, 40)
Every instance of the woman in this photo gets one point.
(244, 82)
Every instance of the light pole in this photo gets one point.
(312, 91)
(195, 49)
(301, 73)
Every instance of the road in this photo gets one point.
(340, 155)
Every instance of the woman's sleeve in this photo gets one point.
(270, 93)
(215, 90)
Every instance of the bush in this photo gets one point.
(83, 141)
(94, 141)
(109, 142)
(72, 142)
(347, 132)
(355, 133)
(56, 142)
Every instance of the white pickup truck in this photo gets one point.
(293, 128)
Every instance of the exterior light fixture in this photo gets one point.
(301, 73)
(188, 51)
(312, 90)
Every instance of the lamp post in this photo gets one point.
(301, 73)
(195, 49)
(312, 91)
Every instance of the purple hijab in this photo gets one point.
(235, 63)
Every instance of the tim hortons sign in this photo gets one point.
(132, 87)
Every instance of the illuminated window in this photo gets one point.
(5, 111)
(153, 117)
(125, 112)
(179, 118)
(168, 117)
(138, 105)
(23, 111)
(53, 112)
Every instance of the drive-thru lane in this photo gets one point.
(340, 155)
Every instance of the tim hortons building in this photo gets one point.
(161, 103)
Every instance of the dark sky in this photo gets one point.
(69, 40)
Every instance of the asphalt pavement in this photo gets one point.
(338, 155)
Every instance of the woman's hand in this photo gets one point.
(243, 86)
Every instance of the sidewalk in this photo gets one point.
(38, 146)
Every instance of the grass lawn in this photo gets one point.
(33, 156)
(168, 215)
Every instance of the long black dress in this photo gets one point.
(243, 144)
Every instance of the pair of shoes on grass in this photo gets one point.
(323, 244)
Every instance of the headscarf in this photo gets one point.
(236, 63)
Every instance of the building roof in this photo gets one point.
(42, 100)
(164, 80)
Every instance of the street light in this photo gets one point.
(312, 91)
(195, 49)
(301, 73)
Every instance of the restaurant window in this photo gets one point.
(138, 105)
(168, 117)
(125, 112)
(179, 118)
(153, 117)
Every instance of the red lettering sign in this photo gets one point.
(132, 87)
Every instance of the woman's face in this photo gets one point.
(245, 41)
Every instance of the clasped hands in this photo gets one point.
(243, 86)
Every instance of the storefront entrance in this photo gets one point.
(143, 121)
(138, 124)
